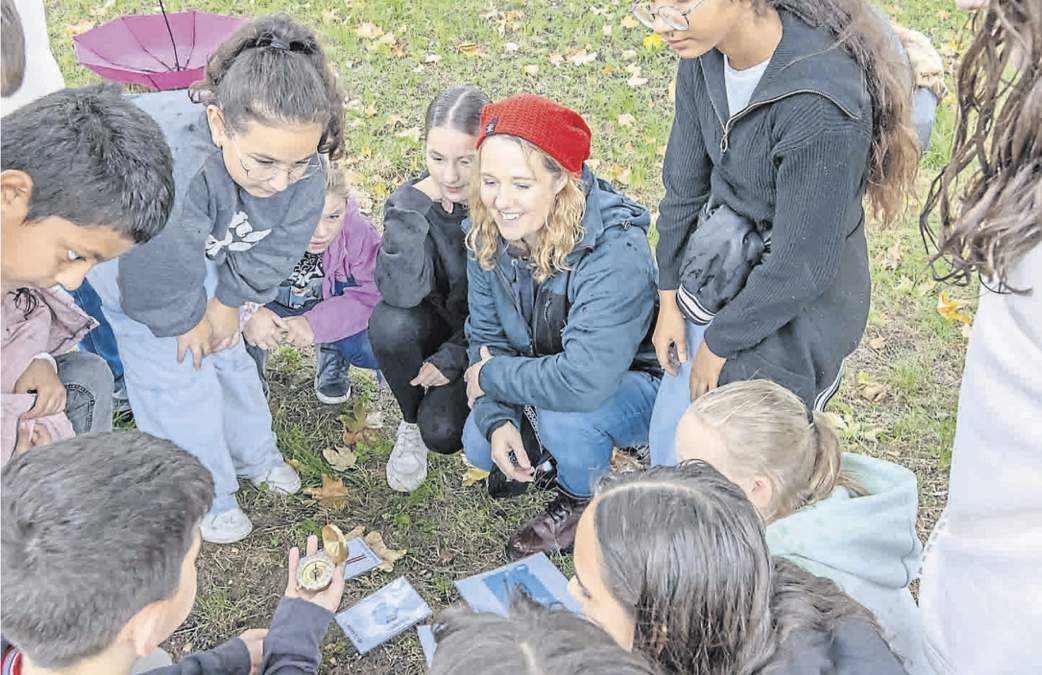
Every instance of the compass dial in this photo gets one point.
(315, 572)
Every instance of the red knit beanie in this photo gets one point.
(558, 131)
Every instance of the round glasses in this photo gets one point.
(670, 15)
(266, 172)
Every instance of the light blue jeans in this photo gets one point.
(218, 413)
(582, 442)
(674, 398)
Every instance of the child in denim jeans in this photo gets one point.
(327, 300)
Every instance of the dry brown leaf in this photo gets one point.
(876, 393)
(368, 31)
(629, 22)
(388, 555)
(891, 259)
(445, 556)
(366, 436)
(626, 120)
(531, 69)
(332, 494)
(340, 458)
(399, 52)
(355, 533)
(470, 49)
(877, 343)
(619, 173)
(76, 29)
(514, 14)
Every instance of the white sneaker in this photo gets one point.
(407, 466)
(226, 527)
(282, 480)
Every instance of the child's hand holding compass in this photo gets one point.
(325, 591)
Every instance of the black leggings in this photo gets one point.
(401, 339)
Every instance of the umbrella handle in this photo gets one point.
(173, 43)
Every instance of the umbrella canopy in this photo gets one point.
(161, 51)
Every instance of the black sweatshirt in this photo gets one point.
(794, 162)
(423, 257)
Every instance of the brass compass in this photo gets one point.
(315, 572)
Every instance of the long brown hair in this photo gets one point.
(893, 160)
(992, 221)
(685, 552)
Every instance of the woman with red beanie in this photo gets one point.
(562, 292)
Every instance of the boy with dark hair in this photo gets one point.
(85, 176)
(100, 535)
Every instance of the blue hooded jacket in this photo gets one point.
(610, 291)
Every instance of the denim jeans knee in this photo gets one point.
(88, 385)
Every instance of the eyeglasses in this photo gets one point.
(266, 172)
(671, 16)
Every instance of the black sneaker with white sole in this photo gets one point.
(332, 385)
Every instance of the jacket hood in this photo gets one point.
(804, 62)
(606, 208)
(871, 538)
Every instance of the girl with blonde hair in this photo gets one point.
(840, 515)
(562, 293)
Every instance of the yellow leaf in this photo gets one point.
(626, 120)
(636, 81)
(332, 494)
(532, 70)
(340, 458)
(653, 41)
(81, 27)
(629, 22)
(388, 555)
(368, 31)
(470, 49)
(949, 309)
(295, 463)
(473, 474)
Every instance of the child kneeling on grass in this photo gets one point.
(100, 538)
(327, 299)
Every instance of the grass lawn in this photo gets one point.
(898, 399)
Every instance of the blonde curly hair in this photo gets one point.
(564, 224)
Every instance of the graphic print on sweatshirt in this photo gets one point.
(240, 236)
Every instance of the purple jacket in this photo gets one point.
(351, 255)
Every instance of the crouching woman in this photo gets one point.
(561, 294)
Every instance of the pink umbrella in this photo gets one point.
(161, 51)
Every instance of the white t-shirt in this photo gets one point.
(741, 83)
(42, 74)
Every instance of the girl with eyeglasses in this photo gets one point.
(787, 113)
(249, 193)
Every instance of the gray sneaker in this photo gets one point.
(332, 385)
(407, 465)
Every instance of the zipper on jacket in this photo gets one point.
(725, 143)
(517, 307)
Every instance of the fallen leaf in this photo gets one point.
(532, 70)
(374, 420)
(513, 14)
(489, 13)
(966, 330)
(370, 109)
(399, 52)
(340, 458)
(653, 41)
(581, 58)
(949, 309)
(387, 555)
(629, 22)
(619, 173)
(863, 377)
(511, 46)
(556, 59)
(594, 164)
(81, 27)
(295, 463)
(368, 31)
(412, 133)
(629, 54)
(943, 14)
(419, 69)
(606, 30)
(355, 533)
(876, 393)
(472, 475)
(445, 556)
(633, 69)
(388, 39)
(877, 343)
(332, 494)
(626, 120)
(470, 49)
(330, 14)
(926, 286)
(673, 89)
(432, 58)
(637, 81)
(891, 259)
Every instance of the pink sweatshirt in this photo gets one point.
(351, 254)
(54, 326)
